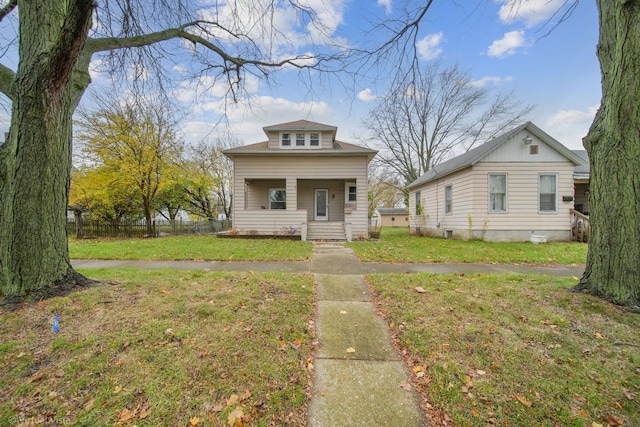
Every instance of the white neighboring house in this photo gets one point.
(510, 188)
(301, 181)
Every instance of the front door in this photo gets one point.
(322, 205)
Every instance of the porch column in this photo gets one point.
(292, 194)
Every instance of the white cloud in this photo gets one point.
(386, 4)
(570, 126)
(507, 45)
(571, 117)
(532, 12)
(494, 80)
(429, 47)
(366, 95)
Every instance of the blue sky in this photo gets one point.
(557, 73)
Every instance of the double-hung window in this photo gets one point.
(314, 140)
(286, 140)
(418, 203)
(300, 137)
(548, 193)
(448, 199)
(277, 198)
(498, 193)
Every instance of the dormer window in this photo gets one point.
(300, 140)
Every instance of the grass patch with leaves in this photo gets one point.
(515, 350)
(205, 248)
(162, 348)
(396, 245)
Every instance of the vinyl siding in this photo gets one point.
(515, 150)
(326, 139)
(522, 196)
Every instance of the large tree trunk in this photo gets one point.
(613, 144)
(36, 159)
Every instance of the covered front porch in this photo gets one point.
(315, 209)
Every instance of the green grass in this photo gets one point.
(396, 245)
(206, 248)
(515, 350)
(162, 348)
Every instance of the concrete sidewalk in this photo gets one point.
(359, 378)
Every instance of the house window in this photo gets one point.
(351, 193)
(418, 203)
(548, 189)
(448, 199)
(300, 139)
(286, 140)
(497, 193)
(277, 198)
(315, 140)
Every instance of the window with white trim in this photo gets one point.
(314, 140)
(285, 140)
(548, 193)
(498, 193)
(448, 199)
(300, 139)
(350, 192)
(277, 198)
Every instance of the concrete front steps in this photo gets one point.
(326, 230)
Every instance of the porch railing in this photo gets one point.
(580, 226)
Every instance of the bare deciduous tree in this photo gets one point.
(420, 122)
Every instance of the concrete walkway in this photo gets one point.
(359, 379)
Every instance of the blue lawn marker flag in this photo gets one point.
(56, 328)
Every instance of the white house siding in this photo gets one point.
(434, 218)
(471, 201)
(291, 169)
(516, 150)
(522, 217)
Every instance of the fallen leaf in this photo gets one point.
(420, 289)
(613, 421)
(595, 424)
(405, 386)
(248, 329)
(218, 408)
(164, 292)
(235, 418)
(296, 344)
(232, 400)
(245, 395)
(343, 312)
(523, 400)
(36, 377)
(144, 412)
(59, 373)
(351, 350)
(481, 372)
(194, 421)
(125, 415)
(599, 336)
(168, 331)
(117, 390)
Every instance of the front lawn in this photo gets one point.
(161, 348)
(510, 350)
(204, 248)
(396, 245)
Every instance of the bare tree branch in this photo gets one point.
(9, 7)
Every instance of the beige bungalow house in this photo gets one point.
(513, 187)
(301, 181)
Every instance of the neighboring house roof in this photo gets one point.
(393, 211)
(583, 170)
(474, 155)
